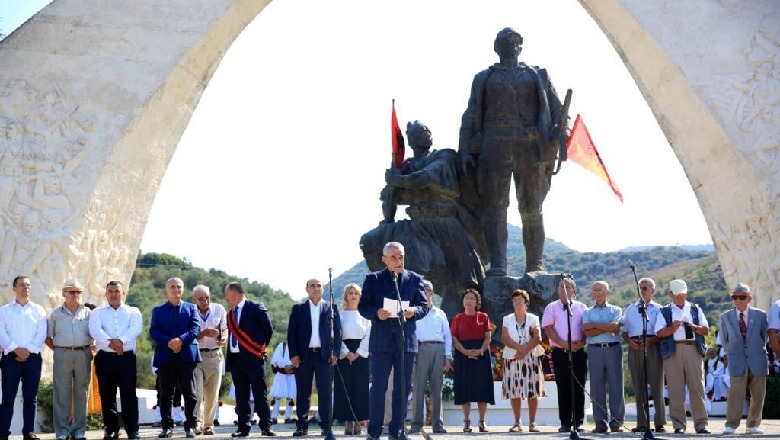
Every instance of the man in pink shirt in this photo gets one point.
(556, 327)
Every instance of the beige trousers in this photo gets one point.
(736, 399)
(208, 377)
(685, 367)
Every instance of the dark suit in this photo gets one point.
(169, 322)
(387, 347)
(247, 368)
(315, 363)
(747, 364)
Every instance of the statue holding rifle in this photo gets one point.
(514, 125)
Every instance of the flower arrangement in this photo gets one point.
(448, 387)
(496, 363)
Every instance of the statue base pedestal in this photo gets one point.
(541, 286)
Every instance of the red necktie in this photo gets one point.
(742, 326)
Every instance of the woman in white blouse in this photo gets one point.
(521, 336)
(350, 402)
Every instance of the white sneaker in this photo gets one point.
(728, 431)
(754, 430)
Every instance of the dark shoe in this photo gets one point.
(106, 436)
(482, 427)
(133, 436)
(329, 436)
(703, 431)
(80, 438)
(33, 436)
(288, 421)
(240, 433)
(189, 433)
(267, 432)
(216, 422)
(616, 429)
(639, 429)
(300, 432)
(564, 428)
(439, 431)
(660, 428)
(165, 433)
(208, 431)
(599, 430)
(467, 426)
(198, 432)
(580, 428)
(679, 431)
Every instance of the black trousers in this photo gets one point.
(114, 371)
(564, 383)
(168, 376)
(29, 374)
(250, 375)
(314, 367)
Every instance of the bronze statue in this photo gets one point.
(512, 126)
(440, 228)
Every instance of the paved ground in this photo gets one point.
(771, 429)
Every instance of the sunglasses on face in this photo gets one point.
(739, 297)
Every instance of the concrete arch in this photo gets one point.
(116, 111)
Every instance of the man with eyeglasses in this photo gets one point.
(115, 328)
(208, 373)
(681, 328)
(22, 334)
(743, 334)
(633, 331)
(68, 336)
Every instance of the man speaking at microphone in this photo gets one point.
(389, 350)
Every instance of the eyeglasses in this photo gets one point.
(73, 293)
(739, 297)
(643, 288)
(201, 299)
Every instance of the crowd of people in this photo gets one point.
(388, 330)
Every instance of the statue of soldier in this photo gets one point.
(511, 126)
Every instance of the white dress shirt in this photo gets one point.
(233, 341)
(22, 327)
(315, 311)
(435, 327)
(123, 323)
(216, 317)
(354, 326)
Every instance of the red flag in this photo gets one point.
(582, 150)
(398, 140)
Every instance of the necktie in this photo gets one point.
(233, 341)
(742, 326)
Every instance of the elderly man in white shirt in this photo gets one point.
(208, 373)
(22, 333)
(434, 357)
(115, 328)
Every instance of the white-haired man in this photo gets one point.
(208, 373)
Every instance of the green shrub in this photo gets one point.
(46, 409)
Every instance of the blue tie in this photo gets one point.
(233, 341)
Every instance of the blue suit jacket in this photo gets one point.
(169, 322)
(750, 354)
(378, 286)
(299, 330)
(255, 322)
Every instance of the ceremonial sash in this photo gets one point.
(243, 339)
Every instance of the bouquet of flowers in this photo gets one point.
(448, 387)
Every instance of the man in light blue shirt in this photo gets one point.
(601, 324)
(434, 357)
(632, 328)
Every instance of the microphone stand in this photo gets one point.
(574, 434)
(333, 351)
(648, 434)
(401, 322)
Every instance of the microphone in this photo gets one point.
(632, 266)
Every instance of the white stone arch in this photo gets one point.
(100, 155)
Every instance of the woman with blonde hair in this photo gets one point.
(522, 336)
(350, 402)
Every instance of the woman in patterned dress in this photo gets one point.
(523, 377)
